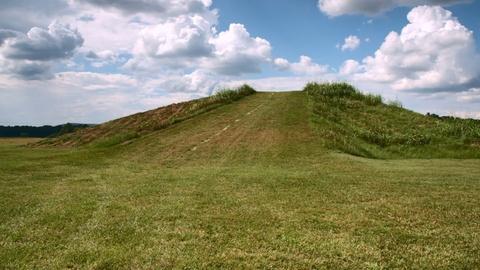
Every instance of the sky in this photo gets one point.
(90, 61)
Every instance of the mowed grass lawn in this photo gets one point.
(275, 202)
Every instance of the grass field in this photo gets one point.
(251, 184)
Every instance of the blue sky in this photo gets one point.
(296, 29)
(94, 60)
(300, 29)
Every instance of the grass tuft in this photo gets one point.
(229, 95)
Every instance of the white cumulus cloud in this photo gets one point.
(31, 55)
(350, 67)
(158, 7)
(103, 58)
(192, 42)
(56, 42)
(351, 43)
(372, 7)
(88, 97)
(22, 15)
(434, 52)
(237, 53)
(470, 96)
(177, 42)
(305, 66)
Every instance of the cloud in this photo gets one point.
(31, 55)
(103, 58)
(86, 18)
(159, 7)
(6, 34)
(466, 114)
(176, 43)
(434, 52)
(351, 43)
(305, 66)
(87, 97)
(56, 42)
(110, 30)
(22, 15)
(350, 67)
(68, 97)
(91, 81)
(191, 42)
(159, 37)
(335, 8)
(470, 96)
(237, 53)
(200, 83)
(27, 70)
(105, 24)
(281, 64)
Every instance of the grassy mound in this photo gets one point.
(363, 125)
(250, 185)
(131, 127)
(343, 119)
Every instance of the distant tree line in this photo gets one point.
(40, 132)
(451, 118)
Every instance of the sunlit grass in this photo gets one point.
(263, 193)
(361, 124)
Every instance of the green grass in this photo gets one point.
(362, 125)
(262, 193)
(125, 129)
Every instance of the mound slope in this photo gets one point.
(323, 117)
(137, 125)
(363, 125)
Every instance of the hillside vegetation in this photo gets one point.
(342, 118)
(361, 124)
(259, 183)
(128, 128)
